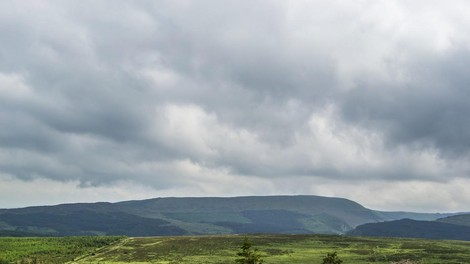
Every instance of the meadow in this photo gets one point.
(275, 249)
(50, 250)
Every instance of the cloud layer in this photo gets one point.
(365, 100)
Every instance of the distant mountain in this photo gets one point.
(390, 216)
(413, 229)
(185, 216)
(463, 220)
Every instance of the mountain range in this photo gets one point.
(196, 216)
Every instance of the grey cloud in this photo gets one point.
(158, 92)
(429, 110)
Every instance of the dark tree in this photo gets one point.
(247, 254)
(332, 258)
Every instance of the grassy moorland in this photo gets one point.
(275, 249)
(50, 250)
(280, 249)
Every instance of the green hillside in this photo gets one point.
(413, 229)
(299, 214)
(196, 216)
(390, 216)
(463, 220)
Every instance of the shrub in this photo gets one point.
(332, 258)
(247, 254)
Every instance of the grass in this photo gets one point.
(50, 250)
(275, 249)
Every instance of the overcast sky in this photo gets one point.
(117, 100)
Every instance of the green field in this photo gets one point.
(222, 249)
(50, 249)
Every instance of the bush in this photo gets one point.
(332, 258)
(247, 254)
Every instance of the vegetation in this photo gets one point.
(223, 249)
(332, 258)
(50, 250)
(277, 249)
(247, 254)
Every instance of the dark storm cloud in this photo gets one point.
(429, 110)
(184, 93)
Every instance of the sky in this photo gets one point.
(119, 100)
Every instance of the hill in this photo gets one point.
(196, 216)
(390, 216)
(413, 229)
(463, 220)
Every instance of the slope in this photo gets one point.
(463, 220)
(181, 216)
(413, 229)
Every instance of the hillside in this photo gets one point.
(413, 229)
(463, 220)
(186, 216)
(390, 216)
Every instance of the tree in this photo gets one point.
(332, 258)
(247, 254)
